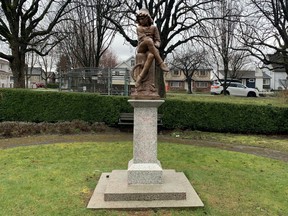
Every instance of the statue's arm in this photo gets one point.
(141, 34)
(157, 40)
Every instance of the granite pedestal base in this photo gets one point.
(113, 192)
(144, 173)
(145, 168)
(145, 184)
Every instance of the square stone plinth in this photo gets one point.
(113, 192)
(144, 173)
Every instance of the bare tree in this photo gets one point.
(88, 34)
(188, 61)
(25, 24)
(47, 63)
(31, 61)
(63, 64)
(178, 22)
(265, 31)
(222, 41)
(109, 59)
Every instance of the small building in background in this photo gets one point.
(175, 80)
(34, 77)
(121, 77)
(251, 78)
(6, 76)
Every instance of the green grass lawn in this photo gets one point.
(58, 179)
(279, 100)
(278, 143)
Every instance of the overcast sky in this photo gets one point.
(122, 49)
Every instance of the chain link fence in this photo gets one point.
(105, 81)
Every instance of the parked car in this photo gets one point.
(40, 85)
(235, 89)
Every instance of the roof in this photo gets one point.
(5, 72)
(243, 74)
(275, 58)
(35, 70)
(5, 67)
(4, 61)
(266, 76)
(125, 64)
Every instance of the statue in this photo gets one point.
(147, 51)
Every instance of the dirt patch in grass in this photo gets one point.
(259, 151)
(113, 135)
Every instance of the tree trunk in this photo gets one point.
(189, 80)
(160, 84)
(226, 71)
(18, 68)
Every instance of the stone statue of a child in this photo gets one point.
(148, 43)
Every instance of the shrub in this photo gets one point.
(53, 85)
(34, 106)
(17, 129)
(224, 117)
(86, 112)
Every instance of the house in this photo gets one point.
(251, 78)
(121, 77)
(202, 80)
(6, 77)
(34, 77)
(279, 77)
(176, 80)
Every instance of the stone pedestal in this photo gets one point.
(145, 168)
(145, 184)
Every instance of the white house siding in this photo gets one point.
(5, 80)
(5, 74)
(259, 79)
(122, 71)
(275, 79)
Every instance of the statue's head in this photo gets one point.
(144, 15)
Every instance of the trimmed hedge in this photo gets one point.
(38, 106)
(225, 117)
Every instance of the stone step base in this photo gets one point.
(113, 192)
(118, 190)
(144, 173)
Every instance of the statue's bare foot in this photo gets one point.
(137, 84)
(164, 67)
(138, 81)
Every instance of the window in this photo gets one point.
(175, 84)
(133, 63)
(266, 81)
(251, 80)
(176, 73)
(202, 73)
(201, 85)
(117, 73)
(239, 85)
